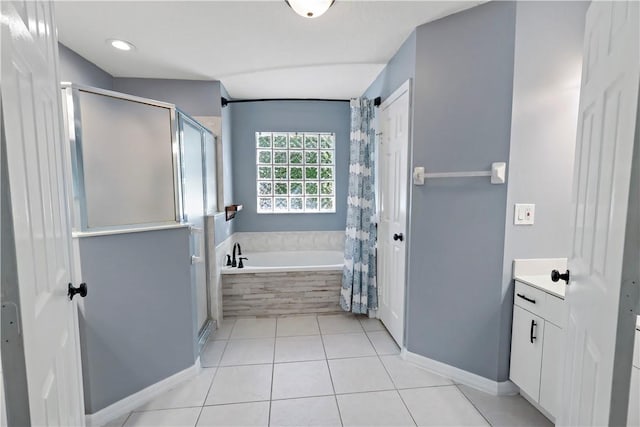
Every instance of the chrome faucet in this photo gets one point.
(234, 262)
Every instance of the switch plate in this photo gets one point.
(524, 214)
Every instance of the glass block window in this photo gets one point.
(295, 172)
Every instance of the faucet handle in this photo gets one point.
(240, 264)
(228, 260)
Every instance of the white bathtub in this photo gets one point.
(274, 262)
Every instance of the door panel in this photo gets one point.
(526, 351)
(194, 196)
(32, 119)
(552, 356)
(602, 179)
(393, 173)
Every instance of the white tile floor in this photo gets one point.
(336, 370)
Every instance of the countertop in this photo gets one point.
(544, 283)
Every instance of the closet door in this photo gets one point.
(526, 351)
(191, 139)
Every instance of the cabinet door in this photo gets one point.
(551, 374)
(526, 351)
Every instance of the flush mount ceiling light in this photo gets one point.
(310, 8)
(121, 44)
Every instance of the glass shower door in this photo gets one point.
(191, 141)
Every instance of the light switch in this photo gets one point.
(524, 214)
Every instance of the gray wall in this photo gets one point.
(75, 69)
(224, 228)
(546, 92)
(195, 97)
(294, 116)
(462, 112)
(227, 149)
(128, 339)
(400, 68)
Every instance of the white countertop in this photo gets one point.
(544, 283)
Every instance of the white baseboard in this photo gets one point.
(134, 401)
(461, 376)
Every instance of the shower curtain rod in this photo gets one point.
(225, 101)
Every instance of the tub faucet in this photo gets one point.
(234, 262)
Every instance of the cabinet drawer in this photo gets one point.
(554, 310)
(530, 298)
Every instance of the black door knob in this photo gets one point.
(556, 275)
(82, 290)
(398, 236)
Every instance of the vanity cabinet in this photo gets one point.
(536, 346)
(526, 350)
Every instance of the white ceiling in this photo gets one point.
(258, 49)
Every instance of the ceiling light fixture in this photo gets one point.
(121, 44)
(310, 8)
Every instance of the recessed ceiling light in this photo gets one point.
(121, 44)
(310, 8)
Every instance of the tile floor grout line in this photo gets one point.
(126, 419)
(406, 406)
(273, 369)
(298, 361)
(395, 386)
(215, 374)
(306, 397)
(473, 404)
(333, 387)
(236, 403)
(199, 415)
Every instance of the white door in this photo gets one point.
(602, 174)
(32, 119)
(393, 175)
(194, 195)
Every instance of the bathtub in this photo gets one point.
(283, 283)
(284, 261)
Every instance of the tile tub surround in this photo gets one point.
(277, 241)
(269, 294)
(220, 252)
(272, 394)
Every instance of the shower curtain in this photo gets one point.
(359, 289)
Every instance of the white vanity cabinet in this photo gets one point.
(526, 350)
(536, 344)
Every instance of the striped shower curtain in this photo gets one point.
(359, 289)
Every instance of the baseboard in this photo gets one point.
(461, 376)
(134, 401)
